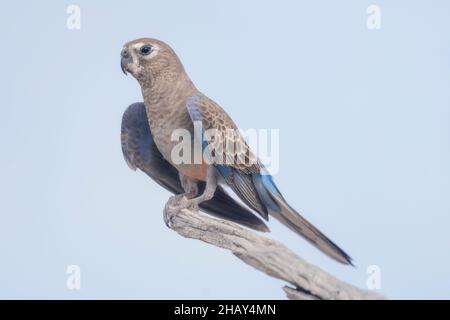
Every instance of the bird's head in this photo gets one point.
(149, 60)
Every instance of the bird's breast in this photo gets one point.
(164, 122)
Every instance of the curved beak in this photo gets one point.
(125, 60)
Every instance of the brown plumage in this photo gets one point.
(172, 102)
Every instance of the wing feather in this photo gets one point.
(140, 152)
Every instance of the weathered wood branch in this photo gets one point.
(266, 255)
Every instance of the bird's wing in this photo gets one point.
(140, 152)
(249, 180)
(237, 174)
(236, 153)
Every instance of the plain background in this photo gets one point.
(364, 129)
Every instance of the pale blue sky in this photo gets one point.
(364, 127)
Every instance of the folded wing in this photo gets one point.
(140, 152)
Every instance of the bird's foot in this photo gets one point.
(175, 205)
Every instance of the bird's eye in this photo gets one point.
(145, 50)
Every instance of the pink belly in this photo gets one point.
(194, 171)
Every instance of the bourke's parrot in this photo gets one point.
(172, 102)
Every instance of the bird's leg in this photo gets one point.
(190, 187)
(208, 193)
(177, 203)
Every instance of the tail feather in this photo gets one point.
(278, 208)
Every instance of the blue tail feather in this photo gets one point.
(266, 190)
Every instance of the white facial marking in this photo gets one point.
(155, 49)
(134, 51)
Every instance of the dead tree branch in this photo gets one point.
(266, 255)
